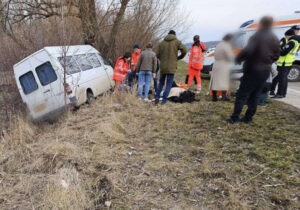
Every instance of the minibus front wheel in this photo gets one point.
(89, 97)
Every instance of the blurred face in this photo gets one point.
(296, 32)
(230, 41)
(136, 50)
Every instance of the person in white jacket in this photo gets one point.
(220, 78)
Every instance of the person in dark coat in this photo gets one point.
(262, 50)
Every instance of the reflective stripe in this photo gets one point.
(119, 74)
(196, 56)
(196, 61)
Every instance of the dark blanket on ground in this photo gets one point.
(185, 97)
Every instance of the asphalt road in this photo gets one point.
(293, 95)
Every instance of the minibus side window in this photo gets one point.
(71, 65)
(92, 57)
(46, 73)
(83, 62)
(28, 82)
(104, 60)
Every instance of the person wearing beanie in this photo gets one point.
(146, 69)
(120, 71)
(287, 35)
(172, 32)
(167, 53)
(196, 63)
(132, 76)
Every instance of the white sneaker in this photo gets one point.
(139, 99)
(147, 100)
(198, 91)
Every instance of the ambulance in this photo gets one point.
(246, 30)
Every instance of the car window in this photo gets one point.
(93, 59)
(83, 62)
(28, 82)
(71, 65)
(46, 73)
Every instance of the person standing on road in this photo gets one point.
(168, 55)
(262, 50)
(146, 69)
(285, 62)
(196, 63)
(120, 71)
(288, 34)
(220, 77)
(134, 60)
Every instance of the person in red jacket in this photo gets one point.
(196, 63)
(120, 71)
(134, 60)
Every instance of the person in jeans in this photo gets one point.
(262, 50)
(134, 60)
(146, 67)
(168, 55)
(155, 79)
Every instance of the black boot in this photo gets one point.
(224, 96)
(214, 98)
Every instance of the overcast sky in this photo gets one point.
(211, 19)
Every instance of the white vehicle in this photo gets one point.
(40, 78)
(247, 29)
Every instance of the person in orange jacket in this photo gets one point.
(121, 69)
(134, 61)
(196, 63)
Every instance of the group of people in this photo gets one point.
(262, 50)
(146, 65)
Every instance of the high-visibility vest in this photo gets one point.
(289, 59)
(120, 70)
(135, 58)
(196, 58)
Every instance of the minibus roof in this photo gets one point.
(59, 51)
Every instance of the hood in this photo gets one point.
(296, 37)
(170, 38)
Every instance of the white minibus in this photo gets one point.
(40, 79)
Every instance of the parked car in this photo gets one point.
(40, 79)
(247, 29)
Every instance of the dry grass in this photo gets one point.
(126, 154)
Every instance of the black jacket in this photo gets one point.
(262, 50)
(290, 45)
(282, 43)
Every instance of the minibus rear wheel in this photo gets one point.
(90, 97)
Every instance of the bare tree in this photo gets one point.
(116, 26)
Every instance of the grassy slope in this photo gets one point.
(139, 156)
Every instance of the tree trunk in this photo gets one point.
(87, 15)
(110, 51)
